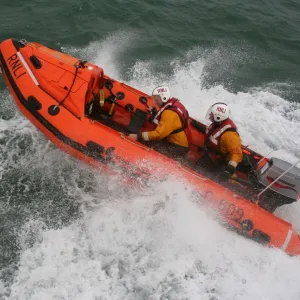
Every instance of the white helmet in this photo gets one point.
(218, 112)
(163, 92)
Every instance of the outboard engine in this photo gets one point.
(285, 190)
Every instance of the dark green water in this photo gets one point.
(257, 42)
(243, 52)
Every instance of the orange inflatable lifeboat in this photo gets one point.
(87, 114)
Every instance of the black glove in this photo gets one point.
(153, 112)
(230, 169)
(225, 175)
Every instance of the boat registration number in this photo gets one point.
(231, 211)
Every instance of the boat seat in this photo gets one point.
(200, 127)
(96, 83)
(94, 111)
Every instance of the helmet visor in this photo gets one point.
(209, 115)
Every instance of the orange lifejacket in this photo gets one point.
(176, 106)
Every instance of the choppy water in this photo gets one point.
(70, 232)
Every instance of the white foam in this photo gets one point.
(150, 247)
(2, 288)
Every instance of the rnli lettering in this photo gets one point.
(221, 109)
(162, 90)
(231, 211)
(12, 58)
(16, 66)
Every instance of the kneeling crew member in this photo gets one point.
(222, 138)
